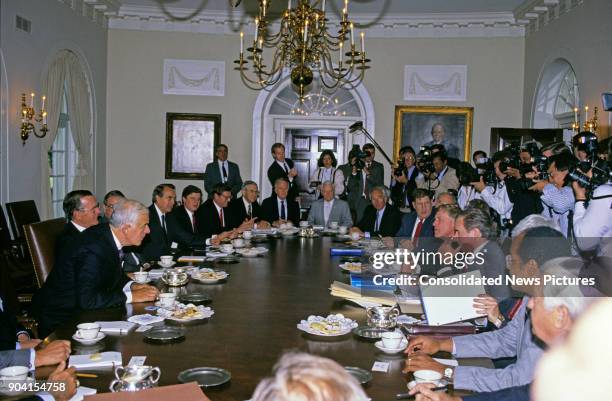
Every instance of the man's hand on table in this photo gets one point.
(67, 376)
(422, 361)
(429, 345)
(423, 393)
(56, 352)
(143, 293)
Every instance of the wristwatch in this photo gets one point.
(499, 321)
(448, 373)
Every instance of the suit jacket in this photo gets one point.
(340, 212)
(494, 265)
(401, 194)
(212, 176)
(15, 358)
(91, 277)
(275, 172)
(389, 223)
(158, 242)
(183, 220)
(355, 190)
(67, 239)
(270, 210)
(238, 211)
(208, 221)
(408, 222)
(449, 181)
(513, 340)
(8, 327)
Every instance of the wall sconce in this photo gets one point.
(28, 117)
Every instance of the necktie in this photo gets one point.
(193, 224)
(286, 168)
(378, 218)
(417, 232)
(283, 216)
(250, 212)
(221, 217)
(163, 221)
(224, 172)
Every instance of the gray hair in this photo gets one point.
(534, 221)
(441, 194)
(328, 183)
(570, 296)
(382, 189)
(247, 183)
(478, 218)
(279, 180)
(127, 211)
(305, 377)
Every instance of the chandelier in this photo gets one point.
(305, 46)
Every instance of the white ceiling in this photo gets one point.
(380, 7)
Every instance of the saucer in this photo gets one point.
(87, 341)
(166, 265)
(402, 347)
(159, 304)
(411, 384)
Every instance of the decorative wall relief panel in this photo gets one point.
(194, 77)
(435, 83)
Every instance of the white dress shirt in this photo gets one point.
(78, 227)
(278, 200)
(160, 214)
(379, 216)
(593, 224)
(190, 214)
(246, 206)
(327, 208)
(221, 164)
(416, 224)
(284, 164)
(127, 288)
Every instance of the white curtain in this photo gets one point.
(53, 86)
(79, 106)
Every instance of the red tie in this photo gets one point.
(221, 217)
(417, 232)
(193, 224)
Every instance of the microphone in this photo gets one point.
(357, 126)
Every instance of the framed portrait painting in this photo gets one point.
(190, 144)
(428, 125)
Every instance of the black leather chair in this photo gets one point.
(21, 213)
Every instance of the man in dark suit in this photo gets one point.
(222, 171)
(379, 218)
(361, 182)
(279, 208)
(81, 210)
(423, 215)
(111, 198)
(403, 185)
(165, 232)
(213, 218)
(91, 277)
(283, 167)
(185, 213)
(247, 208)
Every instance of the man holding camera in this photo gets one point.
(403, 179)
(365, 174)
(520, 174)
(441, 178)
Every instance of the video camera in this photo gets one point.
(424, 160)
(357, 157)
(486, 169)
(600, 170)
(537, 161)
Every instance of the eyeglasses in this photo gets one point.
(90, 210)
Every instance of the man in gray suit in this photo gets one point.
(323, 211)
(222, 171)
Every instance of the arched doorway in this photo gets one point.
(323, 118)
(556, 96)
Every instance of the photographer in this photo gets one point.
(466, 175)
(437, 176)
(403, 179)
(364, 175)
(557, 196)
(520, 172)
(327, 171)
(494, 192)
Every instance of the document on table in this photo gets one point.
(98, 360)
(118, 327)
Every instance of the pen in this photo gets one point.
(87, 375)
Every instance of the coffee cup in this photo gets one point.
(167, 299)
(355, 236)
(88, 331)
(427, 376)
(141, 277)
(304, 223)
(166, 259)
(392, 339)
(227, 248)
(333, 225)
(342, 230)
(14, 373)
(238, 243)
(247, 235)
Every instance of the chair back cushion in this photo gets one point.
(21, 213)
(41, 238)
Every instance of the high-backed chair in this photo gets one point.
(18, 270)
(21, 213)
(41, 239)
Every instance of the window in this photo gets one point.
(62, 160)
(556, 97)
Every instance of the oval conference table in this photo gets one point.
(256, 313)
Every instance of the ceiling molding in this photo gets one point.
(97, 11)
(491, 24)
(538, 13)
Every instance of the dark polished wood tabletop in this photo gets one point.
(256, 313)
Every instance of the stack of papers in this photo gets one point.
(119, 327)
(374, 298)
(98, 360)
(82, 392)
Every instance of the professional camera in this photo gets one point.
(537, 161)
(466, 174)
(399, 170)
(357, 157)
(486, 170)
(600, 169)
(425, 160)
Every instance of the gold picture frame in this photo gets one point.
(413, 126)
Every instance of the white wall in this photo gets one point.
(55, 26)
(582, 37)
(136, 106)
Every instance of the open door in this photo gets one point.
(503, 137)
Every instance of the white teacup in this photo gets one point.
(355, 236)
(392, 339)
(227, 248)
(333, 225)
(238, 243)
(304, 223)
(167, 299)
(247, 235)
(427, 376)
(88, 331)
(342, 230)
(166, 259)
(14, 373)
(141, 277)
